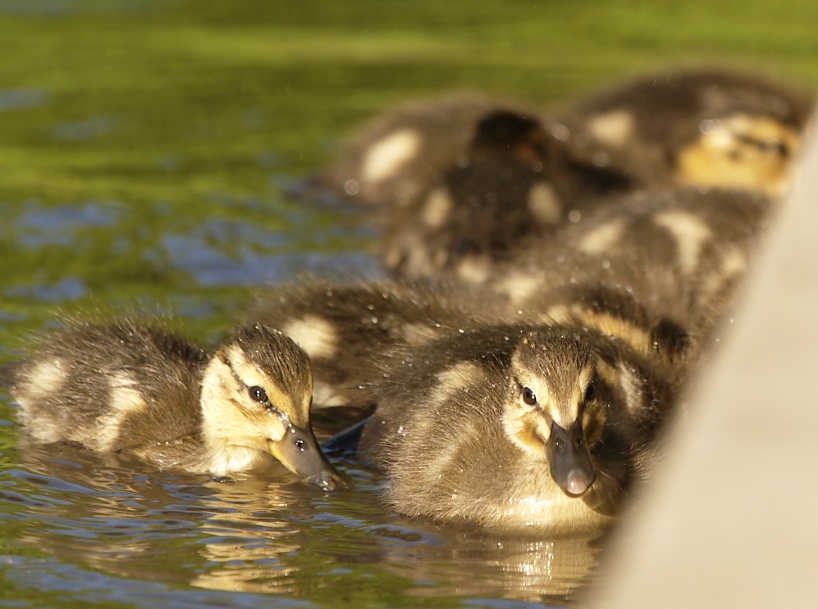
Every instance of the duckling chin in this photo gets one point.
(137, 389)
(516, 427)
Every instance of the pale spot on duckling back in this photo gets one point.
(474, 269)
(437, 208)
(544, 204)
(386, 156)
(519, 287)
(602, 238)
(451, 383)
(317, 336)
(740, 151)
(730, 267)
(43, 379)
(690, 233)
(606, 323)
(621, 375)
(614, 128)
(125, 400)
(417, 334)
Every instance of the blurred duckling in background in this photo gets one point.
(517, 427)
(346, 328)
(398, 155)
(656, 272)
(510, 190)
(136, 389)
(679, 256)
(695, 127)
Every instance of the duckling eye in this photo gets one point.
(529, 397)
(590, 393)
(257, 394)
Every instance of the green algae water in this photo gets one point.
(146, 153)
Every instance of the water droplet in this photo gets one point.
(352, 187)
(561, 132)
(601, 159)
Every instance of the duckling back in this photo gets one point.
(345, 328)
(110, 387)
(677, 255)
(394, 157)
(510, 190)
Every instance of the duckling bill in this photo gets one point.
(137, 389)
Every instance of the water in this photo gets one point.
(146, 152)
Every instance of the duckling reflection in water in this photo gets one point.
(136, 389)
(517, 427)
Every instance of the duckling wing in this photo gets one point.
(185, 452)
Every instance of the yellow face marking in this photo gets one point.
(529, 427)
(740, 151)
(251, 376)
(317, 336)
(603, 238)
(614, 128)
(690, 233)
(388, 154)
(437, 208)
(544, 204)
(232, 420)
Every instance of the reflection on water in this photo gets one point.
(264, 537)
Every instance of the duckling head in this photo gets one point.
(548, 413)
(256, 396)
(740, 151)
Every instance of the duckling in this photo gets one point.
(136, 389)
(517, 427)
(509, 190)
(680, 255)
(695, 127)
(395, 157)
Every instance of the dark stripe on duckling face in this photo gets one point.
(554, 396)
